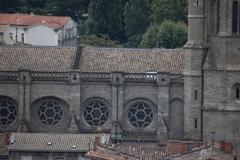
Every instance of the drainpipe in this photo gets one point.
(117, 85)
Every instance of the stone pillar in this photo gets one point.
(163, 80)
(24, 92)
(223, 18)
(74, 99)
(117, 101)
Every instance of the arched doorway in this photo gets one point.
(176, 128)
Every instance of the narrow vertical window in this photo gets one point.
(10, 35)
(195, 2)
(195, 94)
(218, 16)
(195, 123)
(237, 93)
(23, 37)
(235, 17)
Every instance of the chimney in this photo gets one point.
(96, 143)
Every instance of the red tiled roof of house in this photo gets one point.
(27, 20)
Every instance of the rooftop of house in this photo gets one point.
(203, 152)
(147, 151)
(90, 59)
(28, 20)
(53, 142)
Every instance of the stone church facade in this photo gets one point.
(134, 94)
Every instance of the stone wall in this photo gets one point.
(75, 91)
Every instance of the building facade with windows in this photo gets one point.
(133, 94)
(38, 30)
(89, 90)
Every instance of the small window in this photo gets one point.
(26, 157)
(196, 2)
(22, 37)
(195, 123)
(236, 91)
(195, 94)
(11, 35)
(235, 17)
(59, 158)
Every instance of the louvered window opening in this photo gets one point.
(235, 17)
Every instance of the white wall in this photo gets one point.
(41, 35)
(14, 30)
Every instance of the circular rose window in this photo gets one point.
(140, 115)
(50, 112)
(96, 113)
(8, 111)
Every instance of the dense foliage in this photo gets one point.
(168, 34)
(131, 23)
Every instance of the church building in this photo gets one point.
(148, 95)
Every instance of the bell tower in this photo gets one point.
(195, 51)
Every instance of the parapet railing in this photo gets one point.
(77, 76)
(140, 77)
(9, 76)
(89, 76)
(49, 76)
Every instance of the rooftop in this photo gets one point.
(90, 59)
(53, 142)
(28, 20)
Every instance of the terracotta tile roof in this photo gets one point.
(131, 60)
(49, 59)
(146, 151)
(210, 153)
(52, 142)
(104, 153)
(27, 20)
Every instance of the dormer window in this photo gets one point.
(235, 17)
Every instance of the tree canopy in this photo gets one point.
(168, 34)
(132, 23)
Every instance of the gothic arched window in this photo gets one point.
(96, 112)
(235, 17)
(8, 111)
(140, 115)
(236, 91)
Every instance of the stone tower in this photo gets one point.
(195, 51)
(221, 105)
(212, 70)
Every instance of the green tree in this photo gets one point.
(105, 18)
(93, 40)
(167, 35)
(175, 10)
(72, 8)
(136, 19)
(150, 38)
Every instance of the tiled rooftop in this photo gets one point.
(131, 60)
(60, 59)
(48, 59)
(27, 20)
(52, 142)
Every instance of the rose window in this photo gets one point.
(8, 111)
(50, 112)
(96, 113)
(140, 115)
